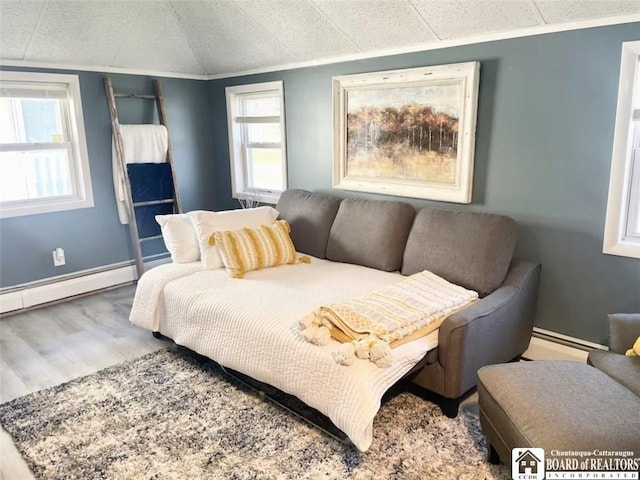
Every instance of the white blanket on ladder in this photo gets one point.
(142, 144)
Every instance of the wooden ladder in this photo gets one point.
(132, 206)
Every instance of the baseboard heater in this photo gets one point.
(549, 345)
(42, 292)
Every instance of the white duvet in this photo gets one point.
(251, 325)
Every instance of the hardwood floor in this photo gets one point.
(52, 345)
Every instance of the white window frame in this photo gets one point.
(82, 196)
(624, 182)
(239, 174)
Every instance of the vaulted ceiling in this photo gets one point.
(212, 37)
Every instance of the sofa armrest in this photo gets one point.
(495, 329)
(624, 330)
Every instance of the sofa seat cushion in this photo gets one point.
(623, 369)
(556, 405)
(473, 250)
(310, 216)
(371, 233)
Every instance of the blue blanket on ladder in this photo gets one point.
(150, 182)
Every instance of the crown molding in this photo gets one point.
(100, 69)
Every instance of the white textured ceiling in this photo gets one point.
(211, 37)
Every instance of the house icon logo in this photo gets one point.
(527, 464)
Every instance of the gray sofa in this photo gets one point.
(473, 250)
(624, 329)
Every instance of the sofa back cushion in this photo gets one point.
(473, 250)
(310, 216)
(372, 233)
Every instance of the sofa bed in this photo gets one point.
(350, 247)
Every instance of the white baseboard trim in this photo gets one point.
(58, 288)
(567, 340)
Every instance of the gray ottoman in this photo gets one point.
(555, 405)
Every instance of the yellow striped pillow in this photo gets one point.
(254, 248)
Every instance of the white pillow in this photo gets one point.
(205, 223)
(179, 237)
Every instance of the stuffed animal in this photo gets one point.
(635, 350)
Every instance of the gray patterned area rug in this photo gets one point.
(173, 415)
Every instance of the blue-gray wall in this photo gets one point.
(543, 152)
(93, 237)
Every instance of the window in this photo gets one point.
(622, 226)
(255, 115)
(44, 164)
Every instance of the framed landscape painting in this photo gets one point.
(407, 132)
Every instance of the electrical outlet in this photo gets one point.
(58, 257)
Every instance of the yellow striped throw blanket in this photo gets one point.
(369, 326)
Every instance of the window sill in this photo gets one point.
(268, 198)
(622, 249)
(19, 210)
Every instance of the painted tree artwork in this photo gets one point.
(407, 133)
